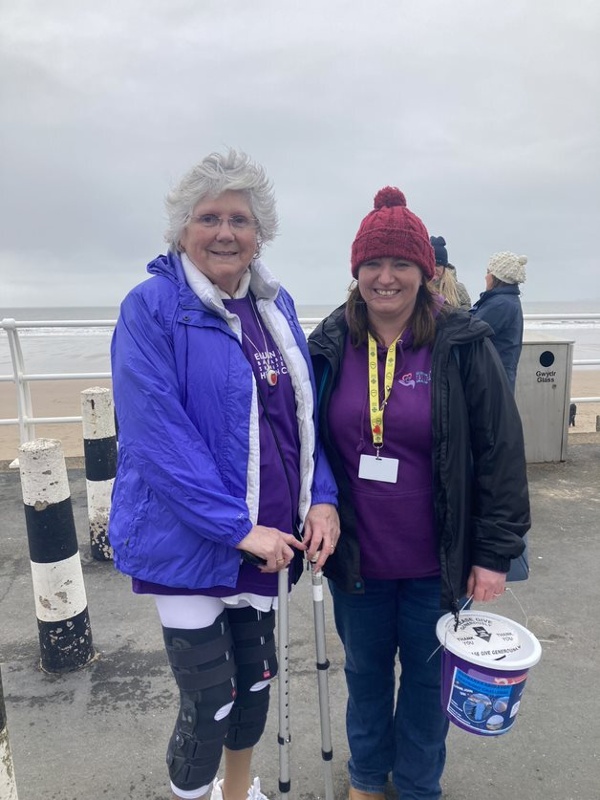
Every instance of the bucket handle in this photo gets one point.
(443, 644)
(466, 603)
(518, 602)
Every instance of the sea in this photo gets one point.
(61, 349)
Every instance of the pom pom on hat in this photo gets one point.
(507, 267)
(392, 231)
(439, 246)
(389, 196)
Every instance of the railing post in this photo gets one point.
(24, 404)
(100, 451)
(8, 787)
(64, 627)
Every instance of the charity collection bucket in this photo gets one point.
(485, 663)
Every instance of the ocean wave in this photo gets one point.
(563, 324)
(539, 324)
(78, 349)
(66, 332)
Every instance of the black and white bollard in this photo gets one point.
(8, 787)
(60, 600)
(100, 451)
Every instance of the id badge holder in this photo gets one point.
(376, 468)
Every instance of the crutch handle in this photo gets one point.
(250, 558)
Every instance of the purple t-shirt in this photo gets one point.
(395, 521)
(279, 487)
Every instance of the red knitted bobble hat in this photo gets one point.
(392, 231)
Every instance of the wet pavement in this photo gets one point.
(101, 732)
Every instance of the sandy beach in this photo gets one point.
(63, 398)
(49, 399)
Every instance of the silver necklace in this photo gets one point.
(271, 373)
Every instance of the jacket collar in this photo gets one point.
(512, 288)
(456, 324)
(263, 284)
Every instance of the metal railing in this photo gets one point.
(22, 379)
(26, 420)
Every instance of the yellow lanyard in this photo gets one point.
(375, 409)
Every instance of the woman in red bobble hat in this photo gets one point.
(425, 441)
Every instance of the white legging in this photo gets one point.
(190, 611)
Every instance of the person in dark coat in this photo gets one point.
(425, 442)
(445, 280)
(572, 414)
(500, 307)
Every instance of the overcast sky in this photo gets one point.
(485, 113)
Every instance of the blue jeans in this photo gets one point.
(393, 617)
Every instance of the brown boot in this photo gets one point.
(357, 794)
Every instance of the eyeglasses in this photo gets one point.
(236, 221)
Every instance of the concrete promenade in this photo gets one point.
(100, 733)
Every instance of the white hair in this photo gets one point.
(217, 173)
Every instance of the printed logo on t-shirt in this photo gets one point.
(270, 360)
(412, 380)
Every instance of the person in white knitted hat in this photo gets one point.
(500, 307)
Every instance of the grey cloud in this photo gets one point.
(483, 113)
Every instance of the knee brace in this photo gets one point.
(204, 668)
(254, 651)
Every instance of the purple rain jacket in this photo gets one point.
(187, 484)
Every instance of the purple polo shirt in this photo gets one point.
(279, 492)
(395, 522)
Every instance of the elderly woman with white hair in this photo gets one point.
(500, 307)
(220, 467)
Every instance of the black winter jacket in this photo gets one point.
(478, 460)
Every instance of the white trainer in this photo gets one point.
(254, 792)
(217, 790)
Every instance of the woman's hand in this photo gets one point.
(485, 585)
(272, 545)
(321, 533)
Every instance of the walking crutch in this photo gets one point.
(283, 641)
(322, 680)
